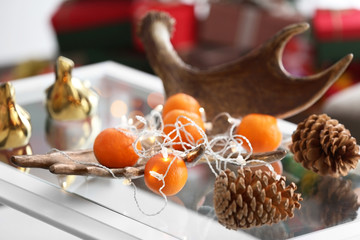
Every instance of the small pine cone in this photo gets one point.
(253, 198)
(325, 146)
(338, 202)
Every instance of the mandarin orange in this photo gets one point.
(278, 167)
(175, 178)
(181, 101)
(261, 130)
(194, 134)
(113, 148)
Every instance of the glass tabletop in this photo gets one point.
(125, 92)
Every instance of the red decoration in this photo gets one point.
(85, 14)
(242, 25)
(337, 25)
(185, 35)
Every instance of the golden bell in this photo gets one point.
(68, 98)
(15, 126)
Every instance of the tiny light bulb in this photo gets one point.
(164, 153)
(130, 121)
(203, 114)
(159, 107)
(233, 147)
(157, 175)
(152, 139)
(126, 182)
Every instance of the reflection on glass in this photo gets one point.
(118, 108)
(332, 201)
(154, 99)
(276, 231)
(6, 154)
(71, 135)
(66, 181)
(199, 184)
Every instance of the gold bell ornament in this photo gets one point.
(15, 126)
(69, 98)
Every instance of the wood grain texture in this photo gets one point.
(84, 162)
(255, 83)
(81, 162)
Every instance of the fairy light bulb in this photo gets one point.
(157, 175)
(159, 108)
(126, 181)
(202, 114)
(164, 153)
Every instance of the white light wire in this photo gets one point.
(154, 128)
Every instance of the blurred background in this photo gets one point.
(210, 32)
(35, 32)
(207, 33)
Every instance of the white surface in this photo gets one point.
(18, 226)
(26, 32)
(349, 231)
(346, 102)
(67, 211)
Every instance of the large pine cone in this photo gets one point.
(253, 198)
(324, 146)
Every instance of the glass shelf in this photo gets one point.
(68, 202)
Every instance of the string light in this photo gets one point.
(221, 149)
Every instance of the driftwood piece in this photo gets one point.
(256, 82)
(84, 162)
(81, 162)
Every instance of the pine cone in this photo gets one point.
(253, 198)
(325, 146)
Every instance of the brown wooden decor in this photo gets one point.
(81, 162)
(255, 83)
(84, 162)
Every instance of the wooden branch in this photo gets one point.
(84, 162)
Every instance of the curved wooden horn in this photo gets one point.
(256, 82)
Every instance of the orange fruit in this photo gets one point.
(113, 148)
(175, 178)
(278, 167)
(181, 101)
(261, 130)
(172, 116)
